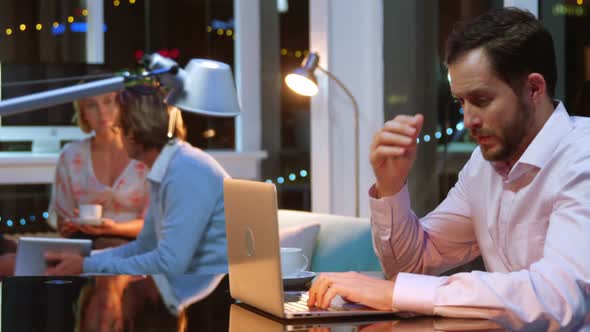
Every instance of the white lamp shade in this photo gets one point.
(208, 89)
(301, 84)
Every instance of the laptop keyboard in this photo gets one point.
(298, 303)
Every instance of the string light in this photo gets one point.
(231, 34)
(132, 2)
(209, 133)
(438, 135)
(116, 3)
(296, 53)
(292, 177)
(23, 221)
(70, 19)
(426, 139)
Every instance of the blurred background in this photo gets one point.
(43, 40)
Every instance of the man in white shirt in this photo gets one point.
(522, 201)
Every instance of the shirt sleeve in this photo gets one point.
(189, 199)
(63, 202)
(94, 263)
(440, 241)
(552, 294)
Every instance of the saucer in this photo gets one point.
(88, 221)
(302, 279)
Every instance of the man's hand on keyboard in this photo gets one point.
(351, 286)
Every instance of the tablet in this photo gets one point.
(30, 260)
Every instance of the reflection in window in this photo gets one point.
(45, 39)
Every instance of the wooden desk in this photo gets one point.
(70, 304)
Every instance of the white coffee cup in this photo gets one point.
(293, 261)
(90, 211)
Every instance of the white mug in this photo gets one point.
(293, 261)
(90, 211)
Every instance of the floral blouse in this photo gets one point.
(75, 184)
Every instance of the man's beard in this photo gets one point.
(510, 137)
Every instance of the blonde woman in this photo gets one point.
(97, 170)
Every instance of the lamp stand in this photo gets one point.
(356, 138)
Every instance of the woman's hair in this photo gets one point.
(145, 117)
(79, 118)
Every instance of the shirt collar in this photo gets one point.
(540, 150)
(160, 166)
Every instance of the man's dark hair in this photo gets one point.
(514, 41)
(145, 116)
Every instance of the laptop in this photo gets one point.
(242, 319)
(251, 216)
(30, 260)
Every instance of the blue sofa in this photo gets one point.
(343, 243)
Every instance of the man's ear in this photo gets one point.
(537, 87)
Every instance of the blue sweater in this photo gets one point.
(183, 239)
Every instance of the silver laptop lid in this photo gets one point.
(253, 244)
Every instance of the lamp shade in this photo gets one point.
(302, 82)
(207, 88)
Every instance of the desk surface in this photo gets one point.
(133, 304)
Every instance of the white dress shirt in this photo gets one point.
(531, 225)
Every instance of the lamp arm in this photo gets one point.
(60, 96)
(70, 93)
(356, 138)
(356, 106)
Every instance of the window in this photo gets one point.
(288, 132)
(45, 40)
(569, 23)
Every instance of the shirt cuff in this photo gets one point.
(91, 265)
(381, 207)
(415, 293)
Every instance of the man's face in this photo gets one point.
(132, 148)
(497, 118)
